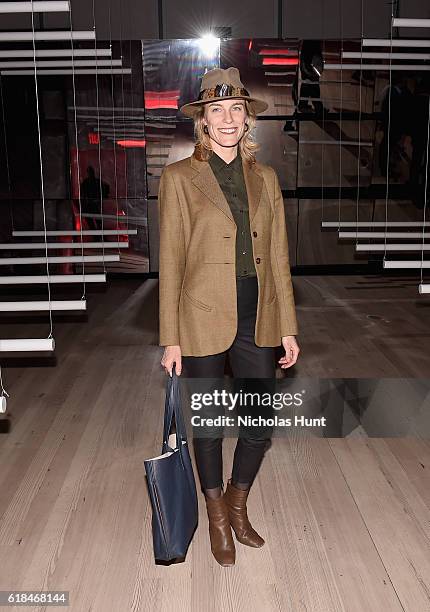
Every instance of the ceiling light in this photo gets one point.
(209, 44)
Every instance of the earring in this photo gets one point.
(205, 129)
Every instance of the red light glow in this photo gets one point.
(280, 61)
(160, 103)
(131, 143)
(93, 138)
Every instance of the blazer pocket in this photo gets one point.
(196, 302)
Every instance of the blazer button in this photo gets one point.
(254, 234)
(258, 260)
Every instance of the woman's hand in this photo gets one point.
(172, 354)
(291, 351)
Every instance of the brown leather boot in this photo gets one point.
(221, 537)
(236, 504)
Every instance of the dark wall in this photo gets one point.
(140, 19)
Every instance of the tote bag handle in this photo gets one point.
(173, 407)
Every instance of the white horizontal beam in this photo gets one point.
(400, 22)
(35, 7)
(39, 36)
(374, 224)
(72, 258)
(419, 67)
(14, 53)
(28, 344)
(65, 63)
(389, 235)
(395, 42)
(3, 403)
(402, 264)
(29, 246)
(40, 279)
(38, 306)
(384, 55)
(104, 232)
(424, 288)
(392, 247)
(66, 71)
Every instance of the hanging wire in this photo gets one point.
(146, 193)
(99, 139)
(134, 152)
(41, 173)
(425, 192)
(132, 105)
(113, 124)
(341, 112)
(123, 117)
(359, 126)
(323, 115)
(9, 182)
(78, 169)
(3, 390)
(390, 93)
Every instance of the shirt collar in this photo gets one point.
(218, 164)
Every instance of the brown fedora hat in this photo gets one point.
(222, 84)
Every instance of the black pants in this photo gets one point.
(249, 362)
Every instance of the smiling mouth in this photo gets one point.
(227, 130)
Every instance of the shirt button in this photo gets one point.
(243, 252)
(254, 234)
(258, 260)
(243, 233)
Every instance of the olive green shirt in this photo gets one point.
(232, 182)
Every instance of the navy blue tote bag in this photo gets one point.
(171, 484)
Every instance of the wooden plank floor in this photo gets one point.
(346, 521)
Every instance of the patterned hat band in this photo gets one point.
(221, 91)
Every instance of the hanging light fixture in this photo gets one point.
(42, 279)
(49, 6)
(40, 306)
(400, 22)
(106, 232)
(15, 53)
(46, 36)
(60, 63)
(66, 71)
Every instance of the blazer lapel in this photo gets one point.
(254, 187)
(206, 181)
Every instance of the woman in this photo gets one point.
(225, 283)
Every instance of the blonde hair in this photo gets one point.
(203, 147)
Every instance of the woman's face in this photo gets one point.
(225, 120)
